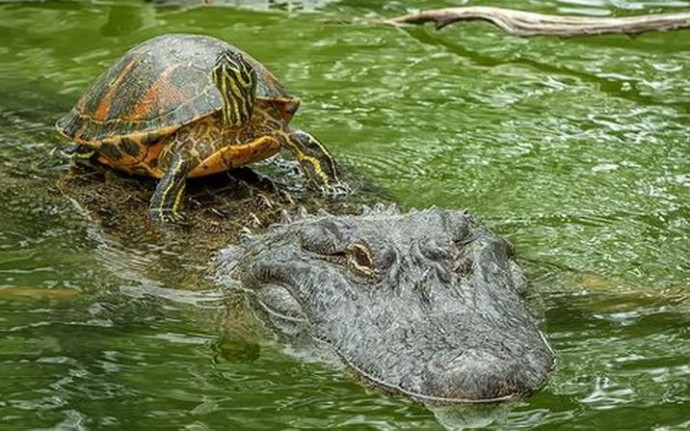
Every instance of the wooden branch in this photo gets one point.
(519, 23)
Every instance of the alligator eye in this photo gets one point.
(359, 256)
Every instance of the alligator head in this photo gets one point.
(427, 303)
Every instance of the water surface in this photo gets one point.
(575, 149)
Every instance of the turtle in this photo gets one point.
(180, 106)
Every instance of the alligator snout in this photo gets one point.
(480, 375)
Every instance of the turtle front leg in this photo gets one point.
(164, 207)
(316, 162)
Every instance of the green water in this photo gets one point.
(577, 150)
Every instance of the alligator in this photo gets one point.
(428, 304)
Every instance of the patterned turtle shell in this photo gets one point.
(158, 87)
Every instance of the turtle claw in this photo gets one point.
(166, 217)
(335, 190)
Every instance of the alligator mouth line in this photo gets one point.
(548, 346)
(423, 398)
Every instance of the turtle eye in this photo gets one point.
(360, 258)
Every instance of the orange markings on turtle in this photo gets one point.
(104, 106)
(160, 90)
(146, 164)
(233, 156)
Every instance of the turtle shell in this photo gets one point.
(158, 87)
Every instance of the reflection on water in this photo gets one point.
(290, 5)
(575, 149)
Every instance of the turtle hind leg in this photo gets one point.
(83, 156)
(164, 207)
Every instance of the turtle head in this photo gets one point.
(236, 81)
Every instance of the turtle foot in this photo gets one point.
(164, 217)
(336, 190)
